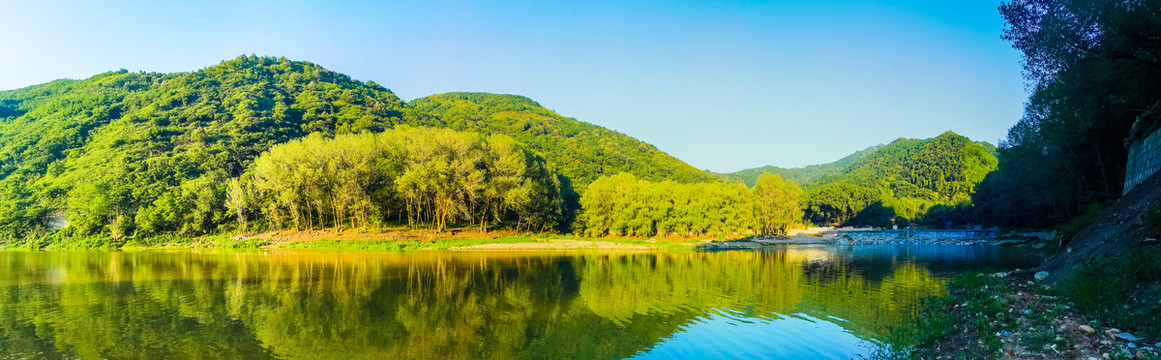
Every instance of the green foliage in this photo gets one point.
(1104, 287)
(622, 205)
(977, 298)
(428, 176)
(803, 175)
(1088, 217)
(838, 202)
(581, 151)
(899, 182)
(143, 154)
(777, 204)
(1094, 70)
(121, 147)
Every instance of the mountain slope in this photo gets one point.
(940, 168)
(581, 151)
(102, 148)
(802, 175)
(905, 178)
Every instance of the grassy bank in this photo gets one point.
(410, 241)
(1108, 310)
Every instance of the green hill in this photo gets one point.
(801, 175)
(104, 147)
(905, 178)
(581, 151)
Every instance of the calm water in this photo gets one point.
(789, 302)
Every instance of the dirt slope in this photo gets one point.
(1117, 232)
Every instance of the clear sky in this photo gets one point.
(722, 85)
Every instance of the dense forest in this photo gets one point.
(259, 143)
(1093, 70)
(622, 205)
(900, 182)
(583, 152)
(436, 177)
(119, 147)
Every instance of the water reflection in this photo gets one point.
(794, 301)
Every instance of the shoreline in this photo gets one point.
(1014, 315)
(401, 239)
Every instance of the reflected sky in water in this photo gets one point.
(785, 302)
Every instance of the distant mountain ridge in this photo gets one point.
(904, 178)
(802, 175)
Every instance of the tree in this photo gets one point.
(1093, 66)
(778, 203)
(836, 203)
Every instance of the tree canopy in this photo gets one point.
(583, 152)
(622, 205)
(437, 177)
(1093, 66)
(125, 151)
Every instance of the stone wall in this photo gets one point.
(1144, 160)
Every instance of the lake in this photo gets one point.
(782, 302)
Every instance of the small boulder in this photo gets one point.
(1086, 329)
(1111, 334)
(1040, 276)
(1126, 337)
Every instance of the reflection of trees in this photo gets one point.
(425, 305)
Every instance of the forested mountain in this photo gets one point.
(802, 175)
(102, 149)
(105, 146)
(903, 179)
(581, 151)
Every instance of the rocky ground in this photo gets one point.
(1015, 316)
(832, 240)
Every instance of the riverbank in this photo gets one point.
(1017, 315)
(406, 239)
(803, 239)
(388, 240)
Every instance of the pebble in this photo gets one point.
(1126, 337)
(1086, 329)
(1040, 275)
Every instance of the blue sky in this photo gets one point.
(722, 85)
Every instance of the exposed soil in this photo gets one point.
(1114, 234)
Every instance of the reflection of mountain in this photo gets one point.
(425, 305)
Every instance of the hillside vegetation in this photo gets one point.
(581, 151)
(802, 175)
(928, 180)
(260, 143)
(101, 150)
